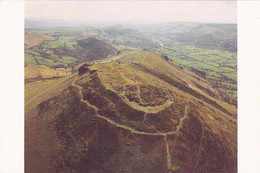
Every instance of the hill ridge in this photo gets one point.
(112, 117)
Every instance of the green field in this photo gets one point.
(68, 59)
(59, 43)
(220, 66)
(44, 54)
(29, 59)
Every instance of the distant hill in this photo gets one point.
(33, 39)
(213, 36)
(63, 53)
(91, 49)
(43, 24)
(144, 113)
(119, 30)
(204, 35)
(88, 49)
(121, 35)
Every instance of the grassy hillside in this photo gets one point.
(171, 111)
(73, 46)
(142, 112)
(43, 50)
(50, 60)
(41, 71)
(34, 39)
(220, 67)
(60, 43)
(66, 50)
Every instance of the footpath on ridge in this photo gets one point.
(179, 126)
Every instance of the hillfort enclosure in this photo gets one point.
(130, 97)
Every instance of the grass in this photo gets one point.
(65, 61)
(202, 66)
(53, 60)
(214, 62)
(228, 69)
(232, 76)
(34, 39)
(67, 38)
(154, 63)
(45, 61)
(36, 92)
(114, 76)
(54, 56)
(233, 95)
(31, 89)
(43, 71)
(59, 43)
(53, 44)
(68, 59)
(29, 59)
(26, 46)
(214, 74)
(122, 47)
(29, 51)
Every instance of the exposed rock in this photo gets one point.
(84, 68)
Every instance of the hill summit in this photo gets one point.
(142, 113)
(93, 49)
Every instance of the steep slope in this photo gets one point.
(142, 113)
(67, 53)
(93, 49)
(89, 49)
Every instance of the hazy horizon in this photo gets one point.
(132, 12)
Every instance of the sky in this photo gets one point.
(145, 12)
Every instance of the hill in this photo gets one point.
(63, 52)
(89, 49)
(213, 36)
(220, 67)
(41, 71)
(203, 35)
(121, 36)
(93, 49)
(33, 39)
(143, 112)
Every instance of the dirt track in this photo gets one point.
(179, 126)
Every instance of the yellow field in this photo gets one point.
(33, 39)
(43, 71)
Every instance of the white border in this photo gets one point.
(248, 86)
(12, 86)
